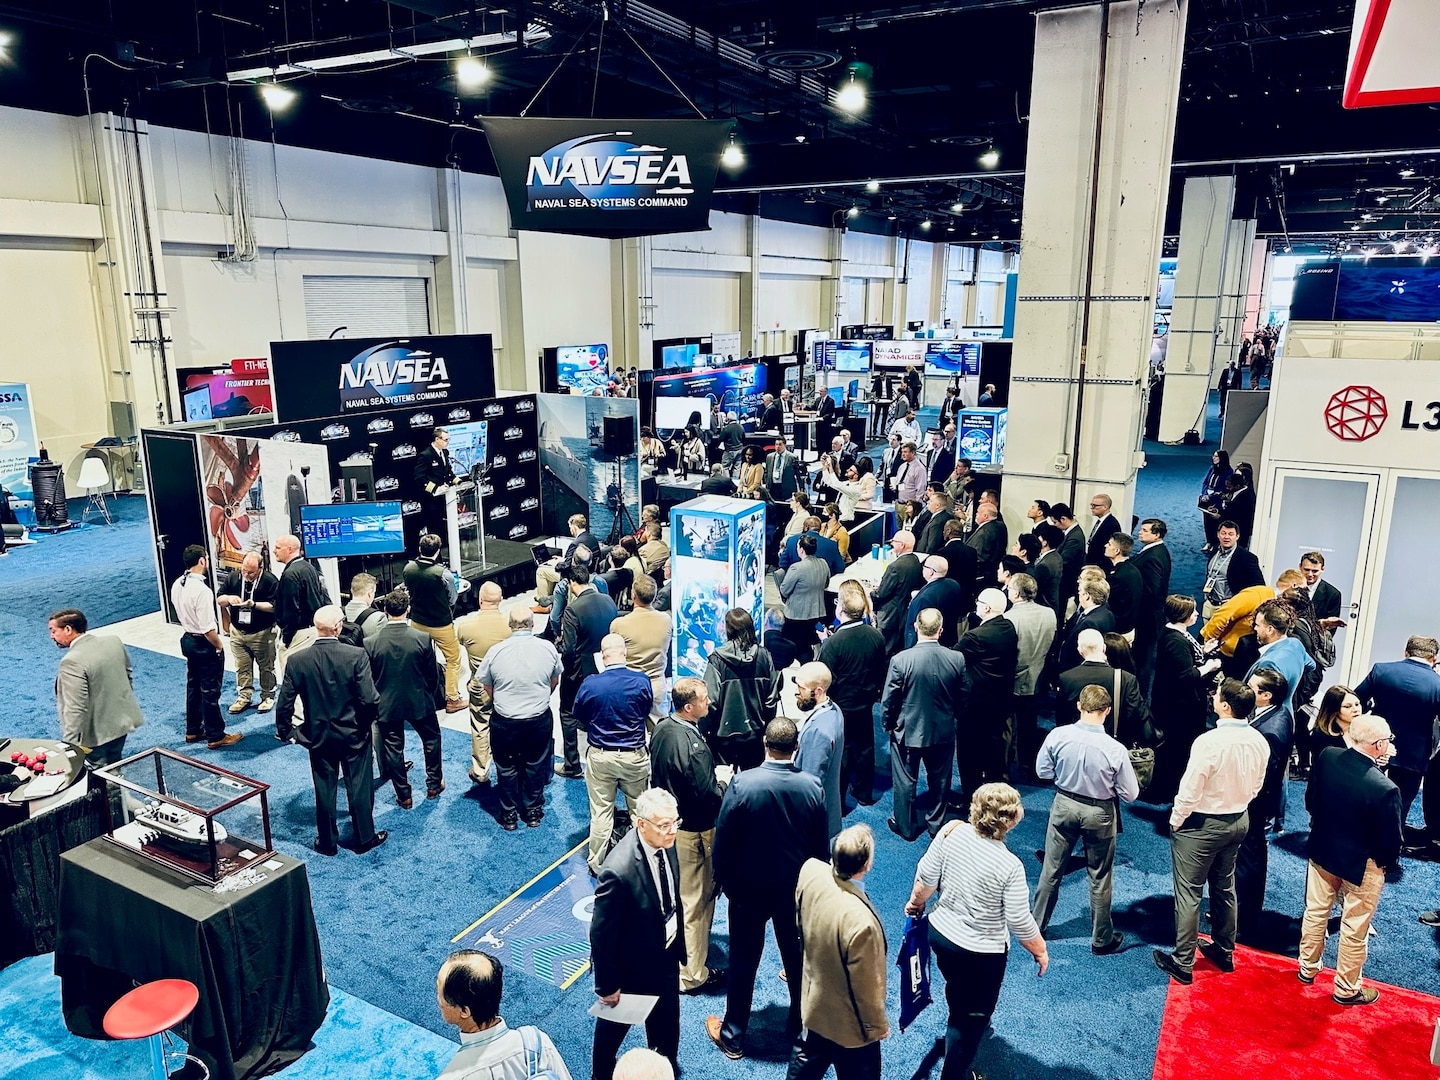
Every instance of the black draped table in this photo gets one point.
(254, 954)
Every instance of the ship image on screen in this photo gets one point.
(851, 355)
(343, 530)
(468, 447)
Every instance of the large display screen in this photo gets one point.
(342, 530)
(469, 446)
(583, 368)
(676, 414)
(843, 355)
(735, 388)
(679, 356)
(1375, 290)
(953, 358)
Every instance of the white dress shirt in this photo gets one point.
(194, 604)
(1226, 769)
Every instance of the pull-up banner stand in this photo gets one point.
(609, 178)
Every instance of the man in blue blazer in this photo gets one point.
(1274, 620)
(1252, 862)
(825, 549)
(1407, 694)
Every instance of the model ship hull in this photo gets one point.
(179, 826)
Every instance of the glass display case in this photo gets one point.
(199, 820)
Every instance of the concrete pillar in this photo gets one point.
(939, 282)
(832, 295)
(452, 315)
(1239, 240)
(1142, 83)
(1256, 286)
(1195, 321)
(634, 300)
(750, 290)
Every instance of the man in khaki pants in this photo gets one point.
(681, 763)
(477, 632)
(647, 643)
(612, 706)
(432, 606)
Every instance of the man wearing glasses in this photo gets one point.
(636, 943)
(1354, 838)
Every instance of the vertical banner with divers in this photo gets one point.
(610, 178)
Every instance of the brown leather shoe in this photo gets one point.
(714, 1028)
(225, 740)
(434, 792)
(456, 705)
(405, 804)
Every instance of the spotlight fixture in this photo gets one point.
(873, 186)
(990, 158)
(471, 72)
(851, 96)
(1015, 220)
(891, 216)
(276, 96)
(732, 157)
(1406, 173)
(925, 224)
(809, 197)
(854, 211)
(800, 137)
(1354, 228)
(957, 208)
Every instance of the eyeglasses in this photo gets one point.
(1381, 742)
(664, 826)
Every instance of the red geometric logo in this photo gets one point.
(1356, 413)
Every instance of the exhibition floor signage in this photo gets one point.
(343, 377)
(18, 443)
(610, 178)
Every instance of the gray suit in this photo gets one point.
(1034, 632)
(926, 691)
(95, 696)
(803, 589)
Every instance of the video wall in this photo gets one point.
(1373, 290)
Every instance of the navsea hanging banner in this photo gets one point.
(18, 443)
(610, 178)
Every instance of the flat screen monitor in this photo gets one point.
(949, 358)
(837, 395)
(736, 388)
(197, 404)
(343, 530)
(468, 447)
(843, 355)
(583, 368)
(677, 413)
(679, 356)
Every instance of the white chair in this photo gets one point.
(93, 480)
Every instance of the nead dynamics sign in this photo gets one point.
(608, 178)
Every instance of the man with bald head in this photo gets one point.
(989, 538)
(300, 596)
(822, 737)
(612, 707)
(334, 682)
(477, 632)
(902, 577)
(247, 613)
(943, 593)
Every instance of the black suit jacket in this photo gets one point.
(402, 660)
(584, 624)
(1277, 725)
(1049, 575)
(1095, 547)
(943, 463)
(892, 598)
(300, 595)
(1126, 588)
(1153, 563)
(627, 929)
(1072, 556)
(718, 485)
(964, 564)
(1243, 571)
(1326, 599)
(934, 536)
(334, 681)
(773, 418)
(946, 597)
(1133, 713)
(771, 820)
(787, 485)
(1354, 814)
(1240, 508)
(1099, 618)
(991, 652)
(989, 541)
(855, 655)
(1180, 694)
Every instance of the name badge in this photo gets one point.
(242, 617)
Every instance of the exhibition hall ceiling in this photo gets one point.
(947, 82)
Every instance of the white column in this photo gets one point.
(452, 314)
(1238, 243)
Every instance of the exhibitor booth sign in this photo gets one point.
(608, 178)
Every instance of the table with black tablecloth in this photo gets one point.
(254, 954)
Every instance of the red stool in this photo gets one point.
(150, 1010)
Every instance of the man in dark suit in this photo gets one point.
(780, 473)
(950, 407)
(1274, 721)
(771, 820)
(989, 540)
(1093, 613)
(1354, 839)
(940, 506)
(1104, 526)
(891, 597)
(586, 621)
(636, 942)
(772, 416)
(925, 694)
(300, 595)
(1324, 596)
(717, 483)
(1153, 563)
(1072, 551)
(1230, 570)
(1049, 572)
(942, 593)
(548, 575)
(1407, 693)
(334, 682)
(1130, 716)
(434, 475)
(992, 651)
(942, 456)
(855, 655)
(1126, 586)
(402, 660)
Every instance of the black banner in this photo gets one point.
(609, 178)
(350, 376)
(392, 440)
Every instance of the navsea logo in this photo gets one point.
(494, 409)
(457, 416)
(607, 171)
(527, 455)
(530, 503)
(404, 450)
(499, 461)
(380, 425)
(331, 432)
(514, 482)
(513, 433)
(393, 374)
(410, 506)
(387, 483)
(487, 488)
(285, 436)
(499, 512)
(422, 419)
(517, 531)
(1356, 413)
(525, 405)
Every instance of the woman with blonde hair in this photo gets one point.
(982, 898)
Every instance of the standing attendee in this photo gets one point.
(732, 439)
(636, 946)
(911, 477)
(1354, 840)
(300, 595)
(987, 396)
(1049, 570)
(1236, 617)
(204, 654)
(1093, 776)
(432, 611)
(1230, 569)
(989, 539)
(1238, 505)
(682, 764)
(247, 614)
(942, 456)
(942, 593)
(905, 425)
(1324, 596)
(333, 681)
(549, 574)
(772, 414)
(1126, 586)
(94, 689)
(903, 575)
(822, 737)
(1274, 622)
(478, 632)
(992, 653)
(1034, 633)
(468, 989)
(434, 475)
(771, 820)
(361, 609)
(983, 899)
(1407, 694)
(1153, 563)
(940, 506)
(926, 691)
(1104, 526)
(402, 663)
(613, 706)
(890, 462)
(1092, 613)
(1212, 491)
(1130, 716)
(950, 407)
(1273, 721)
(854, 653)
(1208, 822)
(781, 473)
(647, 641)
(842, 993)
(1072, 551)
(519, 674)
(802, 588)
(584, 625)
(1179, 697)
(743, 689)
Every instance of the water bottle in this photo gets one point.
(875, 552)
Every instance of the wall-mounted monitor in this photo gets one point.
(950, 358)
(843, 355)
(345, 530)
(582, 368)
(678, 413)
(197, 404)
(679, 356)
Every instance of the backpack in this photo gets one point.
(350, 630)
(530, 1038)
(1322, 647)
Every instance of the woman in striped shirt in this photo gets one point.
(983, 898)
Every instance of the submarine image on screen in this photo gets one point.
(328, 531)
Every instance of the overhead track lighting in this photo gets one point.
(533, 34)
(851, 96)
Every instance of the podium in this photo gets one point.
(717, 549)
(465, 528)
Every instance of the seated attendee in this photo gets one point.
(654, 551)
(717, 483)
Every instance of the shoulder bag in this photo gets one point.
(1142, 758)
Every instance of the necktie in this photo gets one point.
(667, 902)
